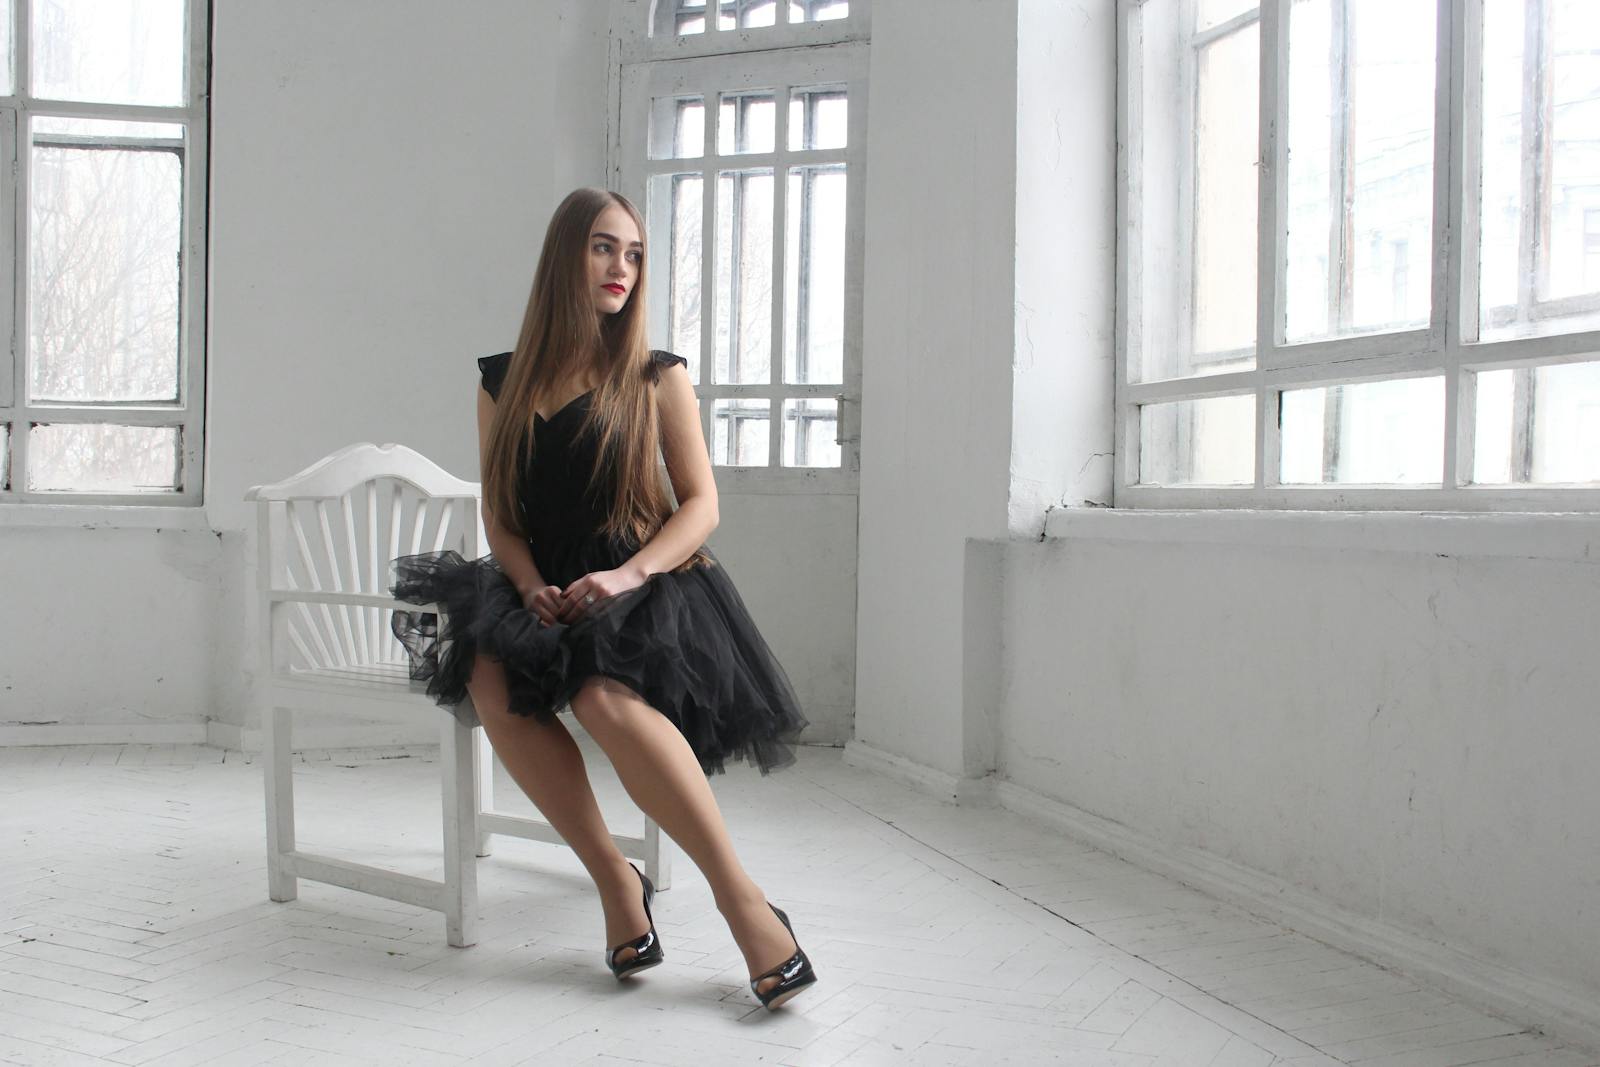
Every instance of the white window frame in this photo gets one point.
(1447, 346)
(18, 505)
(706, 64)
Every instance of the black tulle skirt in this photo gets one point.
(683, 641)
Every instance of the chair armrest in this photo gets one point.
(365, 600)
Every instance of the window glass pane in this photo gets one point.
(1360, 180)
(1539, 265)
(1209, 441)
(689, 16)
(1388, 432)
(813, 308)
(739, 431)
(674, 215)
(5, 455)
(744, 276)
(1195, 218)
(109, 128)
(1538, 424)
(1500, 188)
(818, 10)
(130, 52)
(677, 127)
(754, 13)
(1209, 13)
(8, 64)
(810, 432)
(103, 269)
(1226, 194)
(818, 118)
(746, 123)
(101, 458)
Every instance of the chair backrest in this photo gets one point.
(333, 529)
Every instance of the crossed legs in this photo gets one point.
(659, 771)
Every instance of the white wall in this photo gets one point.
(377, 213)
(381, 176)
(936, 390)
(1392, 713)
(108, 633)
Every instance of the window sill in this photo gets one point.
(1571, 537)
(104, 517)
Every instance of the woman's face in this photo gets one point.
(615, 256)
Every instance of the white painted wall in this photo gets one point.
(377, 214)
(108, 633)
(1064, 352)
(1395, 714)
(936, 393)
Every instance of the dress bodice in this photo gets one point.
(565, 507)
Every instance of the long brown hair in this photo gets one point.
(562, 337)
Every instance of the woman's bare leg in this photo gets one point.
(545, 762)
(662, 776)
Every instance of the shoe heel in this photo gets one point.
(647, 946)
(794, 974)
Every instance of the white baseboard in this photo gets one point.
(313, 735)
(105, 733)
(969, 792)
(1556, 1010)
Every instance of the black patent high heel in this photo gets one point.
(647, 945)
(794, 973)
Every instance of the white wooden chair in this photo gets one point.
(326, 537)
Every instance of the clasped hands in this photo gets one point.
(553, 604)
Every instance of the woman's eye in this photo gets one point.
(637, 258)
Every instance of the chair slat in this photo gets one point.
(358, 616)
(396, 503)
(446, 514)
(343, 615)
(315, 578)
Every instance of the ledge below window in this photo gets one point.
(104, 516)
(1563, 536)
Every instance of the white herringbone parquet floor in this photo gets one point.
(135, 929)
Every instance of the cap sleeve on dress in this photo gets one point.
(660, 360)
(493, 368)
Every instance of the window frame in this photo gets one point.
(1448, 346)
(777, 58)
(18, 505)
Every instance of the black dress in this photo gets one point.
(683, 640)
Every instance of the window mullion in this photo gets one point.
(1451, 122)
(780, 197)
(1534, 147)
(1271, 231)
(1340, 171)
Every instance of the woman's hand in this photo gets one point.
(543, 601)
(597, 585)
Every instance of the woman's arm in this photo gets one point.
(511, 551)
(689, 466)
(683, 445)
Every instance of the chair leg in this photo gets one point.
(460, 833)
(277, 772)
(483, 771)
(657, 857)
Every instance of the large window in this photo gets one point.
(103, 117)
(1360, 260)
(745, 155)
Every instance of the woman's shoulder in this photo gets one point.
(493, 369)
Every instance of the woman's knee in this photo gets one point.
(600, 701)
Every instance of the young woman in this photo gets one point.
(598, 595)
